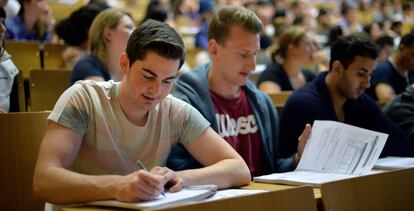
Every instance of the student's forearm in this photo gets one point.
(61, 186)
(226, 173)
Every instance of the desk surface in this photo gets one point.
(272, 187)
(251, 186)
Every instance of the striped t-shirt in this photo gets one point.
(111, 143)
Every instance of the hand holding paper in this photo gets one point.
(334, 151)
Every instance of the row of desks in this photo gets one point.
(392, 190)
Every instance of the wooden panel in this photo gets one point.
(22, 93)
(46, 86)
(275, 200)
(191, 56)
(25, 55)
(52, 56)
(316, 195)
(21, 134)
(279, 99)
(61, 11)
(273, 187)
(385, 191)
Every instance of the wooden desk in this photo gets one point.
(251, 186)
(272, 200)
(391, 190)
(272, 187)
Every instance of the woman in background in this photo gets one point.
(74, 31)
(8, 70)
(295, 50)
(33, 22)
(108, 37)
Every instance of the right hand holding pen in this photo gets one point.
(139, 186)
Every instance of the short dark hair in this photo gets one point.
(346, 48)
(156, 36)
(74, 29)
(385, 40)
(228, 16)
(408, 39)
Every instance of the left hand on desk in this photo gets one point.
(171, 179)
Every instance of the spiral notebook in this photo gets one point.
(334, 151)
(187, 194)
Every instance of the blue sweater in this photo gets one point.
(192, 87)
(277, 74)
(88, 66)
(313, 102)
(386, 73)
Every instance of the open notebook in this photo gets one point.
(187, 194)
(334, 151)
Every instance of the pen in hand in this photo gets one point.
(142, 166)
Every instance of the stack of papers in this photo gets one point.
(334, 151)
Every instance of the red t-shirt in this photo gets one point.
(237, 125)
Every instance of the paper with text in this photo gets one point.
(335, 147)
(334, 151)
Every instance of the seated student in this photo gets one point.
(339, 95)
(33, 22)
(108, 37)
(239, 112)
(8, 71)
(295, 51)
(99, 130)
(386, 43)
(401, 111)
(391, 77)
(74, 31)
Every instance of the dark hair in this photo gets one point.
(322, 11)
(156, 36)
(3, 13)
(384, 40)
(408, 39)
(74, 29)
(227, 16)
(346, 48)
(21, 10)
(334, 33)
(157, 13)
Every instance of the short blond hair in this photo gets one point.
(226, 17)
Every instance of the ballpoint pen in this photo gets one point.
(142, 166)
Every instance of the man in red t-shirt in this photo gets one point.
(240, 113)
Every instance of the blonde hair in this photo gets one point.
(108, 18)
(291, 35)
